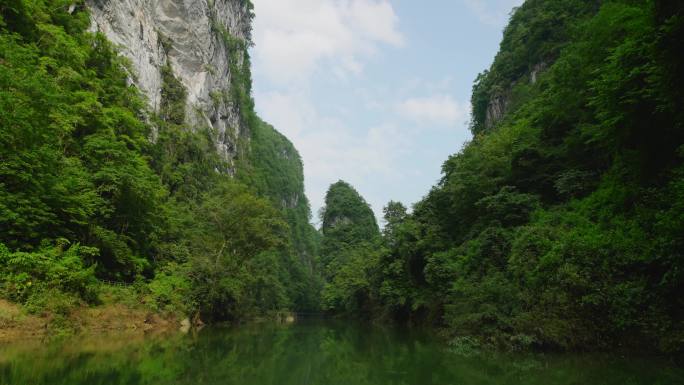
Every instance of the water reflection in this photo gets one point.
(308, 353)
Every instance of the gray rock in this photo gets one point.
(496, 109)
(500, 101)
(184, 34)
(536, 70)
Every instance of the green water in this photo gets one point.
(307, 353)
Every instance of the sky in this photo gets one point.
(373, 92)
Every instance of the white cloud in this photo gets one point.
(494, 13)
(369, 134)
(441, 109)
(377, 20)
(295, 37)
(289, 112)
(331, 150)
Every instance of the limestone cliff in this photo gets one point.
(203, 45)
(203, 42)
(532, 41)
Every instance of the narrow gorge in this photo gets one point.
(155, 229)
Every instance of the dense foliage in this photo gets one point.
(94, 187)
(562, 224)
(348, 249)
(276, 171)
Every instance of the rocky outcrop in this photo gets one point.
(496, 109)
(190, 36)
(536, 70)
(501, 101)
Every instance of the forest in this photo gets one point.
(558, 226)
(87, 200)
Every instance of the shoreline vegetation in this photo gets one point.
(116, 318)
(95, 187)
(560, 225)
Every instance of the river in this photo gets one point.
(310, 352)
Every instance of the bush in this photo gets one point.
(35, 278)
(170, 290)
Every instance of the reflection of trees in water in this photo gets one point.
(330, 353)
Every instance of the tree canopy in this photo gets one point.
(560, 224)
(95, 186)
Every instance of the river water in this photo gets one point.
(313, 352)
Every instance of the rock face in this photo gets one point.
(190, 36)
(495, 110)
(500, 102)
(536, 70)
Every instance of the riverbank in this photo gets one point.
(17, 323)
(117, 310)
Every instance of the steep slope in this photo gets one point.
(561, 224)
(532, 41)
(346, 217)
(190, 60)
(98, 183)
(274, 168)
(201, 43)
(349, 242)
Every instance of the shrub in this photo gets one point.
(26, 277)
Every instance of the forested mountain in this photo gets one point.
(203, 214)
(275, 170)
(561, 223)
(349, 243)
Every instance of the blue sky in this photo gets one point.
(374, 92)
